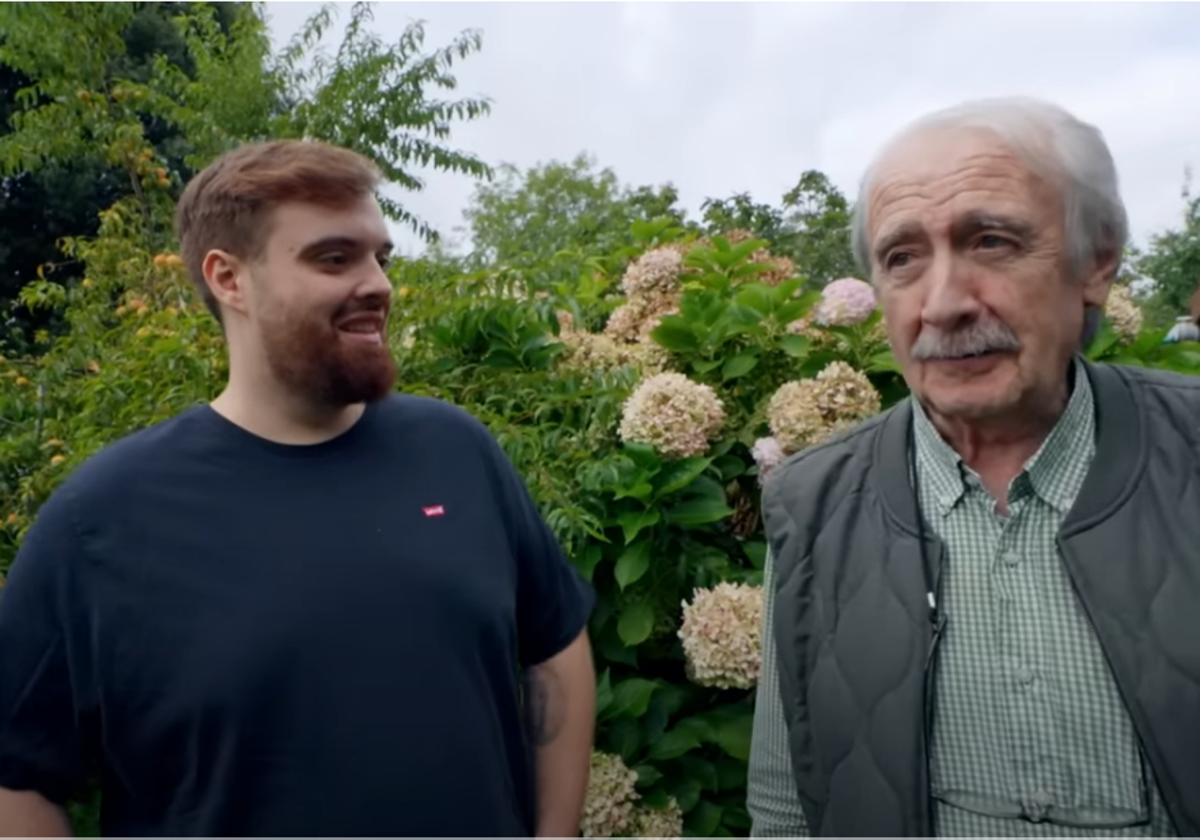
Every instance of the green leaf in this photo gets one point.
(733, 736)
(674, 334)
(636, 623)
(794, 345)
(673, 744)
(639, 489)
(883, 362)
(739, 365)
(634, 522)
(704, 819)
(654, 721)
(677, 475)
(647, 775)
(730, 467)
(735, 817)
(612, 649)
(643, 456)
(700, 769)
(697, 512)
(756, 550)
(624, 738)
(604, 693)
(731, 774)
(633, 563)
(630, 698)
(705, 365)
(687, 794)
(586, 563)
(755, 296)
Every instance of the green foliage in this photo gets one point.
(811, 226)
(1172, 263)
(557, 216)
(156, 120)
(64, 197)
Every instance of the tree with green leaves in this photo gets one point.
(811, 226)
(1172, 263)
(525, 218)
(64, 197)
(151, 119)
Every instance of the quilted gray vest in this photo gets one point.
(857, 640)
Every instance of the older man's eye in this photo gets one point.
(898, 259)
(990, 241)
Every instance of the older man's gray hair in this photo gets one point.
(1067, 152)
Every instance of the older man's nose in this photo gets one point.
(950, 298)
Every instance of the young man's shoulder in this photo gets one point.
(128, 456)
(432, 416)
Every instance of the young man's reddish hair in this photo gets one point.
(229, 205)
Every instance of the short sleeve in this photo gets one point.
(44, 720)
(553, 601)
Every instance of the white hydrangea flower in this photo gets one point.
(721, 635)
(658, 822)
(675, 415)
(806, 412)
(1124, 314)
(608, 807)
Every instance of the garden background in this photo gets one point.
(642, 368)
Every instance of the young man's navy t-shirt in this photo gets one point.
(248, 638)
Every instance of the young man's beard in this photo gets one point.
(314, 360)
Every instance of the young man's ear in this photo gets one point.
(226, 277)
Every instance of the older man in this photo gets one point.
(986, 602)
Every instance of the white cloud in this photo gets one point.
(723, 98)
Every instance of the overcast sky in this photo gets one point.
(721, 98)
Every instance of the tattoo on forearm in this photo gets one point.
(544, 705)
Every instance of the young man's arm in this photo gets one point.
(25, 813)
(559, 679)
(47, 710)
(562, 705)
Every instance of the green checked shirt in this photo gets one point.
(1028, 719)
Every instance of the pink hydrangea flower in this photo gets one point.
(767, 454)
(844, 303)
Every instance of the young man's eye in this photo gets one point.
(335, 259)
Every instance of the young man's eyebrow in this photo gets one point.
(348, 243)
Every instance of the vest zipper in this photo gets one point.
(937, 620)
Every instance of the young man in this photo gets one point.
(305, 608)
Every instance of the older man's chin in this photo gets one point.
(986, 394)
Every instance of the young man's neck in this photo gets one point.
(264, 408)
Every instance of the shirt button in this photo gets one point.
(1010, 558)
(1025, 676)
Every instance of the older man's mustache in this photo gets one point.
(990, 336)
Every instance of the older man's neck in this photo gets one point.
(997, 449)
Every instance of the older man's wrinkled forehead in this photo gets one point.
(937, 174)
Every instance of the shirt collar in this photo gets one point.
(1054, 473)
